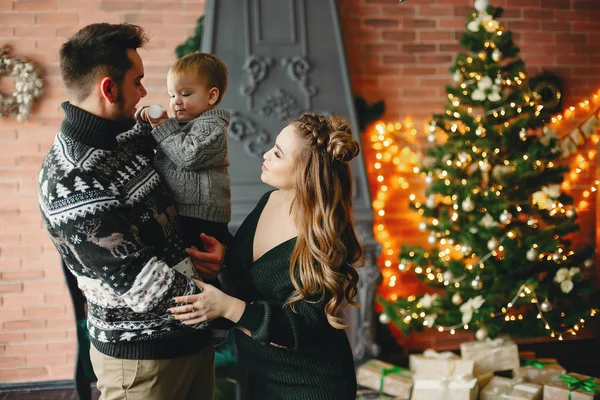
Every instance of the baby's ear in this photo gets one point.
(213, 96)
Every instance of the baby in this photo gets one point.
(191, 155)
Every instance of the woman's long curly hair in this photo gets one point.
(327, 250)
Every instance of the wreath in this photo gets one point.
(28, 86)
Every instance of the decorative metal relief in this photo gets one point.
(244, 130)
(281, 104)
(257, 69)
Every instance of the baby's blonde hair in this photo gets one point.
(206, 67)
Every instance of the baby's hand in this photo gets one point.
(145, 115)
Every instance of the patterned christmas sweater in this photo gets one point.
(114, 223)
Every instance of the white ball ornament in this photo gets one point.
(431, 138)
(422, 226)
(428, 179)
(448, 276)
(485, 166)
(589, 263)
(431, 239)
(505, 217)
(457, 77)
(571, 213)
(430, 202)
(492, 244)
(546, 306)
(476, 283)
(384, 318)
(481, 334)
(456, 299)
(467, 205)
(155, 111)
(532, 254)
(496, 55)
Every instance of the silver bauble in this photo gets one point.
(458, 78)
(432, 127)
(532, 254)
(463, 157)
(431, 138)
(571, 213)
(384, 318)
(484, 166)
(556, 256)
(464, 249)
(589, 263)
(505, 217)
(481, 334)
(428, 179)
(422, 226)
(546, 306)
(456, 299)
(431, 239)
(492, 244)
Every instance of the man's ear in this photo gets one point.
(213, 96)
(109, 90)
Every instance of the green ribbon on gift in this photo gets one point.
(395, 370)
(574, 383)
(536, 363)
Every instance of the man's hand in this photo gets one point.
(208, 262)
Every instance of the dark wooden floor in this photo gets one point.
(48, 394)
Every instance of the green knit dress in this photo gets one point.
(317, 363)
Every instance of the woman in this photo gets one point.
(292, 264)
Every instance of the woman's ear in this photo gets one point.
(213, 96)
(109, 90)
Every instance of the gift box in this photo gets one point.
(541, 370)
(386, 378)
(458, 387)
(431, 364)
(491, 355)
(364, 393)
(514, 389)
(572, 387)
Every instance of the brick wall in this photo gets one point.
(396, 52)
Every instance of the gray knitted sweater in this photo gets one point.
(192, 159)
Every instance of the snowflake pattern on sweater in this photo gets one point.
(114, 223)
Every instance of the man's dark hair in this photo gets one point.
(98, 49)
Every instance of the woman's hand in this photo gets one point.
(210, 304)
(208, 262)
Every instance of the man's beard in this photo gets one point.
(124, 121)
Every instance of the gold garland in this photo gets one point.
(28, 86)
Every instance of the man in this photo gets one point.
(114, 223)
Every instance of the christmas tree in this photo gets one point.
(502, 260)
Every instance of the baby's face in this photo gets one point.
(188, 96)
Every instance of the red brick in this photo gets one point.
(35, 5)
(11, 361)
(12, 313)
(382, 23)
(396, 11)
(6, 5)
(42, 360)
(555, 4)
(47, 335)
(23, 349)
(108, 5)
(400, 59)
(437, 36)
(418, 23)
(23, 374)
(20, 300)
(399, 36)
(45, 312)
(20, 325)
(59, 323)
(419, 48)
(17, 19)
(61, 347)
(6, 31)
(10, 287)
(57, 18)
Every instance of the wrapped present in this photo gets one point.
(514, 389)
(491, 355)
(432, 364)
(572, 387)
(541, 370)
(457, 387)
(386, 378)
(364, 393)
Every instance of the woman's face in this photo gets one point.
(277, 169)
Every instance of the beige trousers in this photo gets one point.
(184, 378)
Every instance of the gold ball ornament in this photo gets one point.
(481, 334)
(546, 306)
(28, 86)
(456, 299)
(496, 55)
(571, 213)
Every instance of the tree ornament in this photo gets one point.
(431, 239)
(546, 306)
(481, 334)
(467, 205)
(456, 299)
(476, 283)
(448, 275)
(479, 130)
(457, 77)
(402, 267)
(496, 55)
(432, 126)
(430, 202)
(571, 213)
(431, 138)
(28, 86)
(532, 254)
(384, 318)
(428, 179)
(484, 166)
(556, 256)
(589, 263)
(463, 157)
(464, 249)
(492, 244)
(505, 217)
(422, 226)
